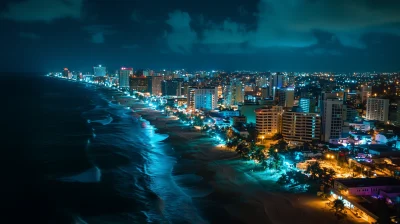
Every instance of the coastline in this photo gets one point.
(224, 188)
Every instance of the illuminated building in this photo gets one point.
(268, 121)
(298, 128)
(332, 119)
(65, 73)
(190, 98)
(99, 71)
(123, 78)
(365, 93)
(276, 81)
(206, 98)
(234, 93)
(353, 192)
(264, 92)
(285, 97)
(154, 85)
(172, 87)
(305, 105)
(377, 109)
(140, 84)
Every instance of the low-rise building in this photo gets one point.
(237, 120)
(359, 193)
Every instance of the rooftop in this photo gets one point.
(369, 182)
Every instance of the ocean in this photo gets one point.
(71, 156)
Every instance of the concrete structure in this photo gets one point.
(172, 87)
(206, 98)
(304, 104)
(285, 97)
(154, 85)
(123, 78)
(237, 120)
(332, 119)
(298, 128)
(276, 81)
(234, 93)
(190, 98)
(264, 92)
(268, 121)
(65, 73)
(99, 71)
(377, 109)
(353, 193)
(140, 84)
(365, 93)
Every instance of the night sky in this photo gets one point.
(281, 35)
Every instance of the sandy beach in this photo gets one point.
(224, 188)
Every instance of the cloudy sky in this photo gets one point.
(278, 35)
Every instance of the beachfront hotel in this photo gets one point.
(298, 128)
(206, 98)
(268, 121)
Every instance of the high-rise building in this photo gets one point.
(264, 92)
(398, 113)
(377, 109)
(190, 97)
(172, 87)
(365, 93)
(140, 84)
(268, 121)
(206, 98)
(99, 71)
(304, 104)
(285, 97)
(65, 73)
(154, 85)
(123, 78)
(262, 81)
(234, 93)
(276, 81)
(332, 114)
(298, 128)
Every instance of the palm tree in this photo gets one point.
(338, 205)
(314, 169)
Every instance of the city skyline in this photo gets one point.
(335, 36)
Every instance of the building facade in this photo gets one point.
(268, 121)
(298, 128)
(140, 84)
(332, 119)
(123, 78)
(377, 109)
(99, 71)
(154, 85)
(206, 98)
(285, 97)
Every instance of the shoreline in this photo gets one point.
(230, 191)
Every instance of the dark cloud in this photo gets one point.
(26, 35)
(292, 23)
(42, 10)
(231, 33)
(98, 32)
(181, 37)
